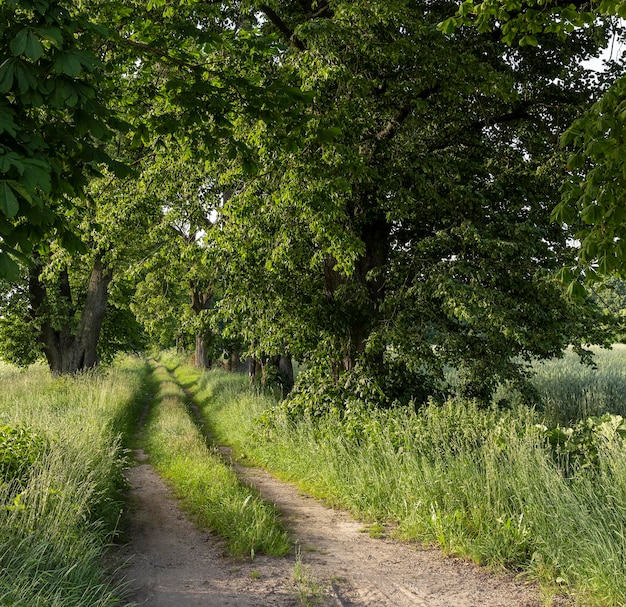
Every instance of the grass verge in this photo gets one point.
(483, 483)
(60, 507)
(208, 488)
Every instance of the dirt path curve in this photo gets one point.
(172, 564)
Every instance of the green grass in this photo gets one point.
(55, 527)
(572, 391)
(208, 487)
(482, 483)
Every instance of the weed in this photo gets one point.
(308, 591)
(68, 474)
(480, 482)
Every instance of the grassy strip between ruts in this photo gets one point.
(208, 488)
(478, 482)
(62, 458)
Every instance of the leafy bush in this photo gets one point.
(20, 448)
(579, 446)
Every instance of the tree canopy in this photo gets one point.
(382, 178)
(593, 191)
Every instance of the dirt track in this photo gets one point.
(172, 564)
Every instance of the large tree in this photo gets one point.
(593, 200)
(406, 224)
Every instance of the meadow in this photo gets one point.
(540, 490)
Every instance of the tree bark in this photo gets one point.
(369, 277)
(69, 348)
(201, 299)
(201, 357)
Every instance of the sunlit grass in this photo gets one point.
(479, 482)
(56, 528)
(207, 486)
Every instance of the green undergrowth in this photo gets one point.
(485, 483)
(208, 487)
(62, 456)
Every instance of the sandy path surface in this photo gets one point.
(172, 564)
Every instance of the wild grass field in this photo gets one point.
(538, 490)
(61, 462)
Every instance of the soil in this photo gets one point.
(334, 562)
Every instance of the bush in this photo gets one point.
(20, 448)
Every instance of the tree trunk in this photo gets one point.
(201, 299)
(70, 349)
(285, 367)
(255, 368)
(201, 358)
(368, 282)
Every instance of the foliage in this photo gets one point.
(592, 197)
(55, 532)
(52, 122)
(581, 445)
(20, 449)
(404, 225)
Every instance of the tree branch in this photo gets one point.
(282, 27)
(402, 114)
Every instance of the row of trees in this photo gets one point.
(366, 186)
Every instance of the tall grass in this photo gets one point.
(208, 487)
(571, 391)
(56, 526)
(480, 482)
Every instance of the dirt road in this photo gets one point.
(334, 563)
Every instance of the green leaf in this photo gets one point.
(37, 174)
(448, 26)
(24, 74)
(9, 270)
(7, 74)
(576, 291)
(67, 63)
(26, 43)
(7, 124)
(529, 40)
(18, 44)
(52, 34)
(8, 201)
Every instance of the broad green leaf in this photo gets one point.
(8, 201)
(448, 26)
(26, 43)
(37, 174)
(18, 44)
(67, 63)
(25, 76)
(9, 269)
(576, 291)
(528, 40)
(52, 34)
(7, 74)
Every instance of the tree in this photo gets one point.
(63, 297)
(52, 122)
(593, 199)
(405, 225)
(177, 279)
